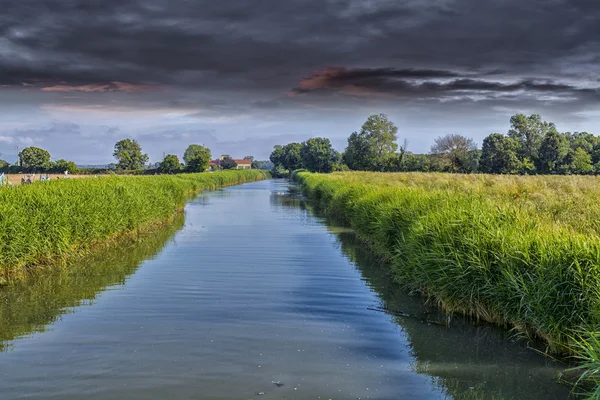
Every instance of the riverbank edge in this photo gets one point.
(583, 346)
(21, 271)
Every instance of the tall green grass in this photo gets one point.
(49, 221)
(523, 252)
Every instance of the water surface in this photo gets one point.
(253, 289)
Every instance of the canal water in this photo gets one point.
(250, 297)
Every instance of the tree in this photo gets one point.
(288, 156)
(170, 165)
(34, 158)
(552, 152)
(228, 163)
(581, 162)
(318, 155)
(374, 146)
(292, 158)
(129, 155)
(528, 132)
(455, 152)
(60, 166)
(498, 155)
(197, 158)
(251, 158)
(264, 164)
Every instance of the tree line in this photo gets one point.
(531, 146)
(130, 158)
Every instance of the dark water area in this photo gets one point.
(251, 289)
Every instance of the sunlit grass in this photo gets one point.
(48, 221)
(514, 250)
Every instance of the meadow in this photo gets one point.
(519, 251)
(47, 222)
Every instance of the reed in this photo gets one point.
(47, 222)
(522, 252)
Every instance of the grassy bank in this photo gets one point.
(46, 222)
(517, 251)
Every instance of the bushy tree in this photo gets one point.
(288, 156)
(197, 158)
(528, 132)
(60, 166)
(34, 159)
(318, 155)
(552, 152)
(129, 155)
(228, 163)
(581, 162)
(374, 146)
(170, 165)
(499, 155)
(456, 152)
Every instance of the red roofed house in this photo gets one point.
(241, 164)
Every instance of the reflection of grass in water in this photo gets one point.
(464, 361)
(28, 306)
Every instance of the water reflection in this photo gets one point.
(30, 306)
(464, 360)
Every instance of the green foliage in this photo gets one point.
(499, 155)
(318, 155)
(61, 166)
(197, 158)
(581, 162)
(34, 159)
(516, 250)
(288, 157)
(228, 163)
(129, 155)
(262, 164)
(553, 150)
(374, 146)
(170, 165)
(44, 222)
(528, 132)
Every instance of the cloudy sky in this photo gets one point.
(240, 76)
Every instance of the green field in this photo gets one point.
(519, 251)
(44, 223)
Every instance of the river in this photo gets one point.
(252, 296)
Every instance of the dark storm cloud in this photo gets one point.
(424, 84)
(268, 45)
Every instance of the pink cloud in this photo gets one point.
(113, 86)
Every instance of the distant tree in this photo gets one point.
(251, 158)
(60, 166)
(581, 162)
(264, 164)
(3, 164)
(374, 146)
(528, 132)
(318, 155)
(552, 152)
(129, 155)
(288, 156)
(499, 156)
(228, 163)
(34, 158)
(277, 155)
(292, 159)
(415, 162)
(197, 158)
(455, 151)
(170, 165)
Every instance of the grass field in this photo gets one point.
(45, 223)
(519, 251)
